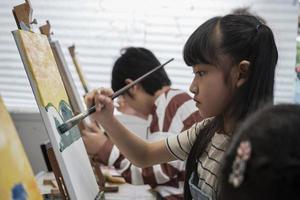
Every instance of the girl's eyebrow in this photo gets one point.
(200, 67)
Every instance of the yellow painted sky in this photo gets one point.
(41, 62)
(15, 167)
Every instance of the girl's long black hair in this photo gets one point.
(237, 37)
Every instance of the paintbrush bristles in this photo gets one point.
(67, 125)
(73, 121)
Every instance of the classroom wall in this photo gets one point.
(32, 133)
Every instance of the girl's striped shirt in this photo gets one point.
(209, 161)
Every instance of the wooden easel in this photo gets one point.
(45, 29)
(57, 173)
(73, 98)
(84, 85)
(78, 68)
(23, 17)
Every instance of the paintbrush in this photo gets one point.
(67, 125)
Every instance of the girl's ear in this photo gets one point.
(242, 72)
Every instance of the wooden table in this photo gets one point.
(126, 191)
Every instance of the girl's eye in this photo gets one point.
(201, 73)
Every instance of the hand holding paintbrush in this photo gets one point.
(75, 120)
(104, 106)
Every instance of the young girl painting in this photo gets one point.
(233, 59)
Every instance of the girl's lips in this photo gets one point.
(196, 101)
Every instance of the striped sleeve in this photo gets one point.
(107, 152)
(180, 145)
(180, 112)
(168, 174)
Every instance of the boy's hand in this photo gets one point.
(93, 138)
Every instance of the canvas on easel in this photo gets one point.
(53, 103)
(16, 177)
(76, 102)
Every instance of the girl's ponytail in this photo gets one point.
(261, 80)
(255, 44)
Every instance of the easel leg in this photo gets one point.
(57, 173)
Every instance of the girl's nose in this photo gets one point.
(193, 89)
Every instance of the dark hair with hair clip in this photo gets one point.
(237, 38)
(135, 62)
(273, 170)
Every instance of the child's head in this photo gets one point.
(234, 59)
(135, 62)
(272, 166)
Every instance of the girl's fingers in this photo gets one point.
(98, 97)
(99, 102)
(84, 133)
(107, 91)
(93, 127)
(89, 98)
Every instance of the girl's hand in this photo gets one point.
(101, 98)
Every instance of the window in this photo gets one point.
(100, 28)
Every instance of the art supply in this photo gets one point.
(23, 15)
(76, 101)
(50, 182)
(75, 120)
(16, 177)
(53, 103)
(45, 29)
(54, 106)
(78, 68)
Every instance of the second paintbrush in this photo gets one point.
(67, 125)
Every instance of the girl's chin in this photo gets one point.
(202, 114)
(205, 115)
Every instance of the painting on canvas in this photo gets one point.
(53, 103)
(16, 177)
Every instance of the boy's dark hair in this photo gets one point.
(135, 62)
(273, 169)
(237, 38)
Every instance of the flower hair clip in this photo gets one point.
(243, 154)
